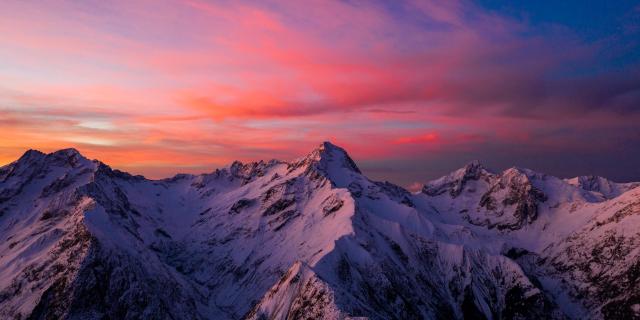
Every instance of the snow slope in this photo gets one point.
(312, 238)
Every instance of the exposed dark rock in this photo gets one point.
(278, 206)
(455, 185)
(240, 205)
(331, 204)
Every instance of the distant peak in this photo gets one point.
(455, 182)
(472, 170)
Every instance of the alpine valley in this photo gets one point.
(313, 239)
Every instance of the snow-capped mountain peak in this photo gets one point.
(455, 182)
(330, 161)
(68, 152)
(328, 156)
(602, 186)
(31, 154)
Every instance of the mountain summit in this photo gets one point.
(329, 158)
(312, 239)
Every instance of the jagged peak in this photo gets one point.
(32, 153)
(475, 167)
(326, 154)
(330, 147)
(515, 171)
(588, 179)
(522, 173)
(455, 181)
(593, 180)
(608, 188)
(67, 153)
(70, 157)
(471, 170)
(248, 171)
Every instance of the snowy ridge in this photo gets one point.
(602, 187)
(312, 238)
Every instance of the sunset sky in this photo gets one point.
(412, 89)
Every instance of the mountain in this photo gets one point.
(602, 187)
(312, 238)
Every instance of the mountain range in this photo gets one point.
(313, 238)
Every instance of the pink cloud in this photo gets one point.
(425, 138)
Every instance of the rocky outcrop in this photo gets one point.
(511, 201)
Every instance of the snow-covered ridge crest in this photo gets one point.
(455, 181)
(327, 157)
(602, 186)
(312, 237)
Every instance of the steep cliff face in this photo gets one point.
(310, 239)
(512, 201)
